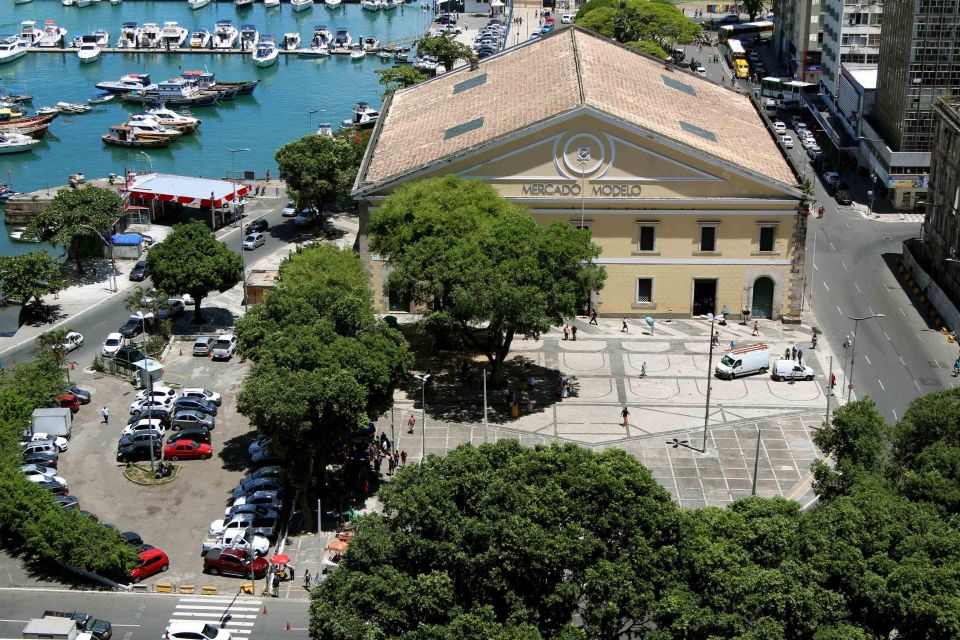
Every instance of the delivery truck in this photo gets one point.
(743, 361)
(52, 421)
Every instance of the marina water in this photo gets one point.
(276, 113)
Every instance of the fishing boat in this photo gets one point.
(301, 5)
(224, 35)
(12, 48)
(171, 119)
(29, 32)
(321, 36)
(370, 43)
(35, 126)
(342, 39)
(8, 114)
(384, 55)
(197, 4)
(128, 83)
(175, 91)
(242, 4)
(244, 87)
(207, 81)
(271, 4)
(173, 35)
(200, 39)
(129, 35)
(147, 126)
(266, 52)
(124, 136)
(101, 97)
(88, 52)
(291, 41)
(334, 4)
(150, 36)
(20, 234)
(53, 36)
(13, 142)
(249, 37)
(46, 111)
(370, 5)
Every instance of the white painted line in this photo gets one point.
(937, 362)
(887, 337)
(833, 247)
(901, 312)
(844, 265)
(858, 287)
(896, 419)
(917, 386)
(871, 311)
(201, 607)
(840, 311)
(210, 599)
(247, 616)
(815, 266)
(826, 287)
(867, 358)
(880, 382)
(901, 361)
(216, 621)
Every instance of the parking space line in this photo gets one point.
(840, 311)
(917, 386)
(880, 382)
(844, 265)
(867, 358)
(858, 288)
(826, 287)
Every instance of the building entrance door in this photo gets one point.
(762, 298)
(704, 297)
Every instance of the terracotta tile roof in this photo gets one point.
(556, 74)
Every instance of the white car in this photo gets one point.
(701, 72)
(223, 527)
(159, 393)
(290, 210)
(39, 477)
(195, 631)
(140, 405)
(259, 545)
(199, 392)
(224, 347)
(566, 18)
(788, 142)
(71, 341)
(791, 370)
(112, 344)
(60, 442)
(144, 425)
(779, 127)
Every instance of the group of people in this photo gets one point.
(383, 449)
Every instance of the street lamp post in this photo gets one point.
(310, 113)
(756, 466)
(853, 348)
(149, 159)
(706, 414)
(146, 364)
(424, 379)
(486, 425)
(243, 258)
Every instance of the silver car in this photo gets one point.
(190, 418)
(253, 241)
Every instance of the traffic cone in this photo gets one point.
(181, 349)
(264, 609)
(288, 625)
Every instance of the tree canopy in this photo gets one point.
(192, 260)
(646, 25)
(318, 170)
(481, 265)
(76, 218)
(447, 50)
(399, 77)
(29, 276)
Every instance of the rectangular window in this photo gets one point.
(708, 238)
(644, 290)
(768, 239)
(646, 237)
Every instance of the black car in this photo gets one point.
(195, 434)
(54, 487)
(269, 499)
(92, 516)
(82, 394)
(171, 309)
(153, 413)
(260, 224)
(42, 459)
(68, 502)
(131, 328)
(129, 354)
(139, 271)
(132, 537)
(138, 451)
(272, 471)
(139, 436)
(195, 404)
(256, 484)
(257, 510)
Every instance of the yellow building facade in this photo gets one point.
(679, 181)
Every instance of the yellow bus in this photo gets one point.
(762, 29)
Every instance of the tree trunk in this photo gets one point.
(501, 353)
(77, 258)
(303, 482)
(197, 314)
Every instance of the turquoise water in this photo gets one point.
(275, 114)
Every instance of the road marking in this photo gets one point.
(917, 386)
(833, 247)
(844, 265)
(895, 418)
(887, 337)
(826, 287)
(867, 358)
(937, 362)
(901, 312)
(901, 361)
(216, 608)
(815, 266)
(858, 288)
(880, 382)
(207, 614)
(839, 310)
(871, 311)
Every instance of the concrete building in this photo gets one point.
(650, 157)
(851, 38)
(798, 37)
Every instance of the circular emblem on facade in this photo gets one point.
(582, 154)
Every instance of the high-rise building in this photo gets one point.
(851, 37)
(798, 37)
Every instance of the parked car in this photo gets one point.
(71, 341)
(234, 562)
(269, 499)
(158, 392)
(191, 630)
(203, 346)
(260, 225)
(779, 127)
(831, 178)
(187, 450)
(38, 468)
(791, 370)
(129, 354)
(256, 484)
(256, 510)
(42, 458)
(137, 451)
(40, 446)
(843, 195)
(55, 487)
(83, 395)
(273, 471)
(144, 425)
(701, 72)
(191, 419)
(154, 413)
(305, 217)
(68, 400)
(196, 434)
(253, 241)
(145, 436)
(224, 347)
(68, 502)
(200, 392)
(149, 563)
(61, 443)
(145, 403)
(132, 327)
(139, 272)
(788, 142)
(265, 526)
(290, 210)
(194, 403)
(132, 537)
(172, 308)
(39, 478)
(112, 344)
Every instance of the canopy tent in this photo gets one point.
(185, 190)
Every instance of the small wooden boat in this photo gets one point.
(101, 97)
(124, 136)
(244, 88)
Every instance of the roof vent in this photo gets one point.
(700, 131)
(461, 129)
(469, 83)
(673, 83)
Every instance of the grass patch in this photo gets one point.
(139, 473)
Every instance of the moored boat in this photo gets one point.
(200, 39)
(171, 119)
(356, 53)
(271, 4)
(124, 136)
(249, 37)
(29, 32)
(150, 36)
(35, 126)
(20, 234)
(301, 5)
(224, 35)
(147, 126)
(14, 142)
(342, 39)
(364, 117)
(321, 36)
(53, 36)
(129, 35)
(128, 83)
(242, 4)
(334, 4)
(325, 129)
(206, 81)
(197, 4)
(370, 44)
(88, 52)
(101, 97)
(370, 5)
(101, 37)
(266, 52)
(12, 48)
(244, 87)
(291, 42)
(173, 35)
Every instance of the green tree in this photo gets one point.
(318, 170)
(481, 265)
(659, 23)
(753, 7)
(192, 260)
(856, 440)
(399, 78)
(50, 343)
(649, 48)
(601, 20)
(75, 218)
(29, 276)
(447, 50)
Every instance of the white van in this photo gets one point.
(742, 361)
(791, 370)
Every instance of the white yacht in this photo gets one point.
(129, 34)
(321, 36)
(67, 3)
(89, 51)
(148, 127)
(172, 119)
(173, 35)
(13, 142)
(342, 39)
(30, 33)
(225, 35)
(370, 44)
(386, 5)
(242, 4)
(266, 52)
(334, 4)
(53, 36)
(101, 37)
(325, 129)
(301, 5)
(128, 83)
(12, 48)
(271, 4)
(197, 4)
(363, 116)
(370, 5)
(200, 39)
(249, 37)
(290, 42)
(150, 35)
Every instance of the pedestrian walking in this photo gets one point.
(268, 175)
(293, 572)
(377, 462)
(624, 328)
(403, 457)
(396, 460)
(756, 328)
(391, 465)
(733, 345)
(625, 415)
(573, 332)
(384, 441)
(411, 423)
(833, 380)
(786, 354)
(793, 350)
(593, 316)
(643, 370)
(566, 332)
(106, 415)
(306, 580)
(800, 356)
(716, 338)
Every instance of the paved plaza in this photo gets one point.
(666, 406)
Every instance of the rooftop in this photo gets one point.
(565, 71)
(866, 77)
(185, 189)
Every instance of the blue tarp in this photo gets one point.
(126, 239)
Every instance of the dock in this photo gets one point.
(406, 42)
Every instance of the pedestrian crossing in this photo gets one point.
(212, 609)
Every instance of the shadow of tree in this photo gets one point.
(95, 271)
(37, 314)
(234, 454)
(213, 318)
(45, 571)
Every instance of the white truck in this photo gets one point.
(744, 360)
(53, 421)
(55, 628)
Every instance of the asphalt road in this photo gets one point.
(138, 616)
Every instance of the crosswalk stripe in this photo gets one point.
(213, 622)
(210, 610)
(235, 616)
(223, 599)
(201, 607)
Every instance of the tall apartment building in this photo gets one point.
(851, 37)
(798, 37)
(941, 226)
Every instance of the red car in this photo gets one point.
(68, 400)
(149, 562)
(187, 450)
(234, 562)
(549, 21)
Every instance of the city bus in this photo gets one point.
(788, 93)
(762, 29)
(736, 57)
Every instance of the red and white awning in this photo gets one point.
(194, 192)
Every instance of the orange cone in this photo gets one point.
(288, 625)
(264, 609)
